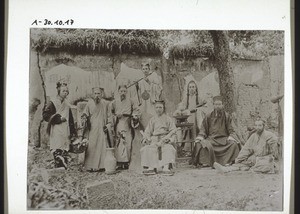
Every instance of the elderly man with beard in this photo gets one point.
(258, 153)
(60, 128)
(124, 109)
(216, 142)
(98, 115)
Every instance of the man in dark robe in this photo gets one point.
(61, 127)
(216, 142)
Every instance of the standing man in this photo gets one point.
(60, 127)
(149, 90)
(216, 142)
(98, 115)
(158, 138)
(258, 153)
(124, 109)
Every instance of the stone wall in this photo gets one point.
(256, 81)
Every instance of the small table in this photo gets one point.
(184, 125)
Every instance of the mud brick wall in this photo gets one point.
(256, 82)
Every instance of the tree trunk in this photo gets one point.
(223, 64)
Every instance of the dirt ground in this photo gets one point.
(190, 189)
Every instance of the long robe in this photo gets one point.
(216, 128)
(154, 87)
(59, 131)
(99, 115)
(126, 108)
(196, 118)
(157, 128)
(135, 162)
(256, 147)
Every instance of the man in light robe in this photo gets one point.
(149, 90)
(216, 140)
(190, 102)
(60, 128)
(98, 115)
(258, 154)
(159, 136)
(124, 109)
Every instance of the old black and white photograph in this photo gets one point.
(125, 119)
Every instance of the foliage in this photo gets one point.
(250, 44)
(256, 44)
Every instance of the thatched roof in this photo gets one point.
(146, 42)
(151, 42)
(95, 41)
(190, 51)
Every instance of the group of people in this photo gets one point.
(113, 124)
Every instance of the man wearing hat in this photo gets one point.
(98, 114)
(158, 151)
(216, 142)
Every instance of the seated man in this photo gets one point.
(215, 142)
(159, 134)
(258, 153)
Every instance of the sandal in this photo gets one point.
(149, 172)
(167, 173)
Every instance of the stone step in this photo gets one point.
(101, 195)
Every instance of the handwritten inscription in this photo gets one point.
(53, 22)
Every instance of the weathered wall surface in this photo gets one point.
(256, 81)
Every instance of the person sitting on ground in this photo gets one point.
(158, 151)
(216, 140)
(258, 153)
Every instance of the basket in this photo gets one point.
(78, 146)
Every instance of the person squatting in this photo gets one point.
(213, 141)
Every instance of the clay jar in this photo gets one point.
(110, 162)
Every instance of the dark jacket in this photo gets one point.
(49, 115)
